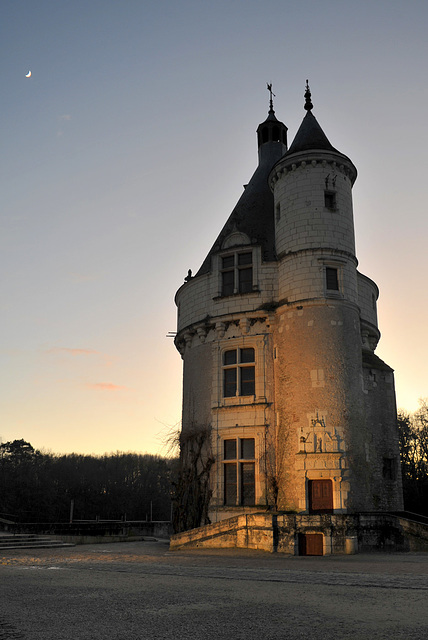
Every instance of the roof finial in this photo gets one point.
(308, 104)
(269, 87)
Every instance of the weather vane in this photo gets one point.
(269, 88)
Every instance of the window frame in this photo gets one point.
(330, 199)
(389, 468)
(338, 265)
(261, 389)
(238, 365)
(239, 493)
(239, 285)
(332, 270)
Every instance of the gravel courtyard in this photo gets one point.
(142, 590)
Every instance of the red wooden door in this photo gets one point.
(320, 496)
(311, 544)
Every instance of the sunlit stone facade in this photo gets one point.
(277, 331)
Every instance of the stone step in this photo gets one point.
(19, 536)
(30, 541)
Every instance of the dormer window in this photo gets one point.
(237, 273)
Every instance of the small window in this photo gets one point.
(230, 357)
(239, 472)
(230, 449)
(331, 279)
(228, 262)
(247, 448)
(230, 382)
(237, 273)
(247, 381)
(247, 483)
(228, 275)
(239, 372)
(330, 200)
(389, 469)
(247, 355)
(245, 272)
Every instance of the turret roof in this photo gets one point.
(310, 136)
(253, 213)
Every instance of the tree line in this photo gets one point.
(413, 434)
(44, 487)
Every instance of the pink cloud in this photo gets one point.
(105, 386)
(73, 352)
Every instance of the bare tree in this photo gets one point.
(413, 435)
(192, 493)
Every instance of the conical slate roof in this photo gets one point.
(253, 213)
(310, 136)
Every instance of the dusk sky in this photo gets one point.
(125, 152)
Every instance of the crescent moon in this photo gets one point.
(28, 75)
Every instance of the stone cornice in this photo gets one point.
(322, 251)
(242, 405)
(303, 159)
(321, 454)
(318, 302)
(219, 324)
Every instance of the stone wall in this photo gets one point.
(342, 533)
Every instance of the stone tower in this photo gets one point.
(285, 404)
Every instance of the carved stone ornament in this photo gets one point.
(245, 324)
(188, 338)
(318, 438)
(202, 333)
(220, 328)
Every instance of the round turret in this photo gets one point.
(285, 404)
(314, 226)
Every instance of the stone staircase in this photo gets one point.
(282, 532)
(30, 541)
